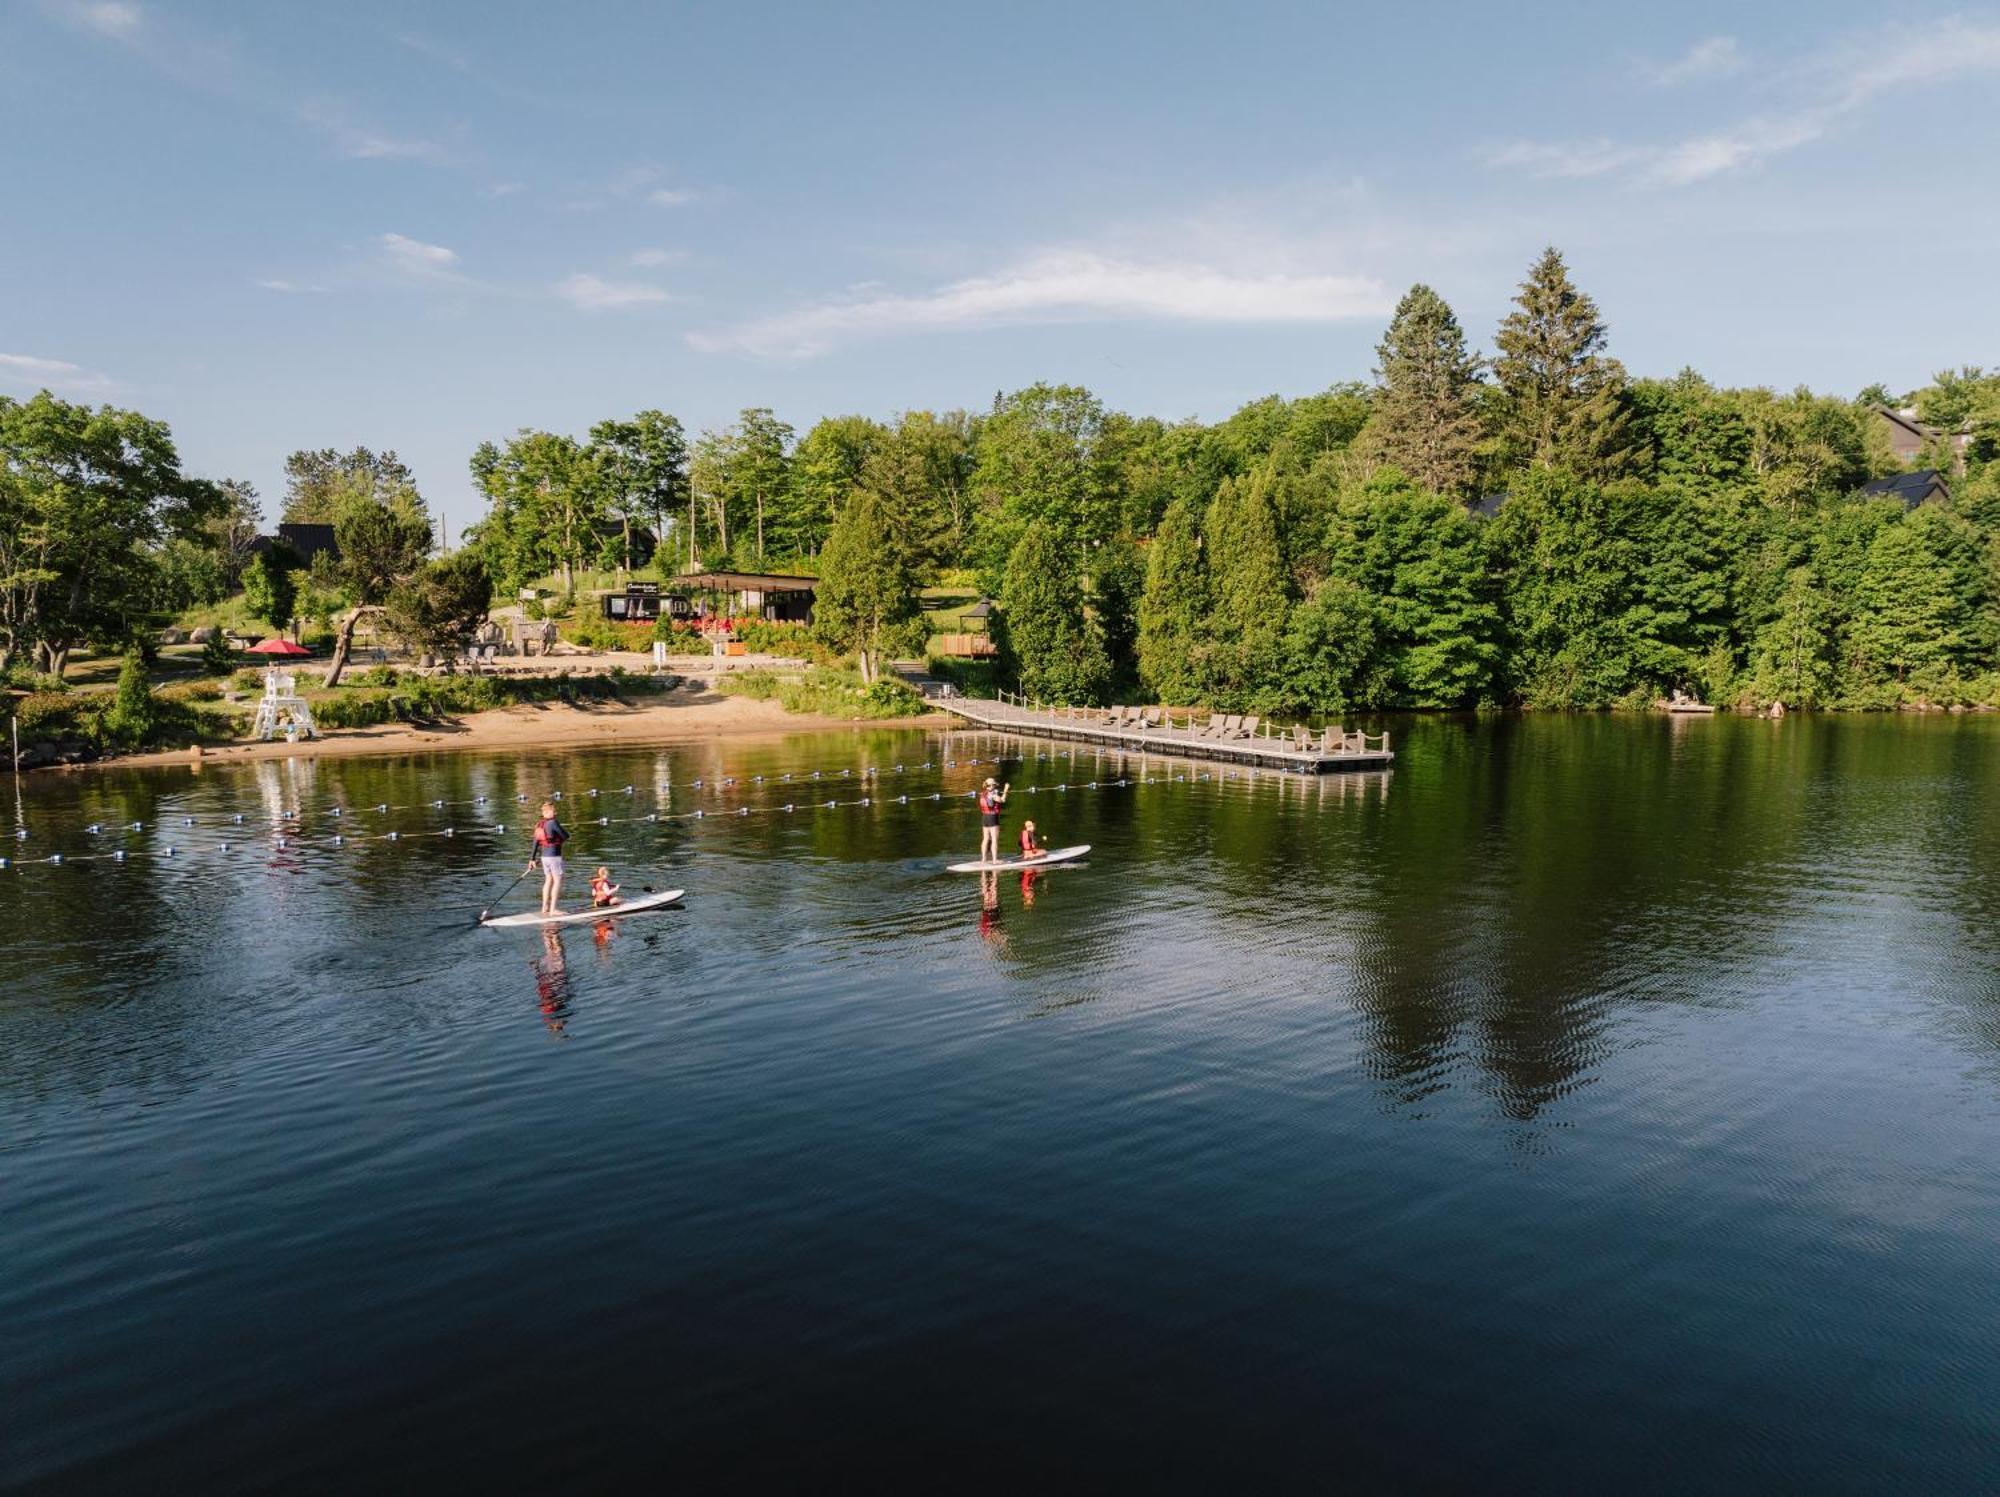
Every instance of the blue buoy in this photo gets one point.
(604, 821)
(449, 832)
(225, 847)
(698, 815)
(395, 836)
(337, 839)
(593, 792)
(170, 852)
(55, 857)
(788, 805)
(118, 856)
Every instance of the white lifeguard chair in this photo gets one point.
(283, 710)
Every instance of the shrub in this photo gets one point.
(218, 655)
(191, 691)
(132, 715)
(826, 693)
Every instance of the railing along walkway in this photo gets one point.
(1231, 738)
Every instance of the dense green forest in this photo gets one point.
(1530, 526)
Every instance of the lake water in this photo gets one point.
(1592, 1103)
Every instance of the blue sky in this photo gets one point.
(418, 226)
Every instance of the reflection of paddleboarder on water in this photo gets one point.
(551, 971)
(992, 796)
(989, 909)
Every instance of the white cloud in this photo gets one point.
(436, 51)
(671, 197)
(1824, 89)
(431, 262)
(650, 257)
(1062, 286)
(53, 374)
(290, 288)
(117, 19)
(1577, 158)
(1713, 57)
(589, 293)
(363, 142)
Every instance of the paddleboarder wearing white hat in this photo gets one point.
(992, 796)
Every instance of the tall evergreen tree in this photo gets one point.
(1425, 421)
(1250, 592)
(1173, 609)
(1562, 398)
(1053, 650)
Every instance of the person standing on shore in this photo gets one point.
(992, 796)
(548, 851)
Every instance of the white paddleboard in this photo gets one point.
(577, 917)
(1060, 855)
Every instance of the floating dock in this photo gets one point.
(1229, 739)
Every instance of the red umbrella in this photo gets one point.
(279, 646)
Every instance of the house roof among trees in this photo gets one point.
(747, 582)
(307, 540)
(1912, 488)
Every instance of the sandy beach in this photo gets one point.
(673, 719)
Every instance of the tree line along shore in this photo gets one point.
(1530, 526)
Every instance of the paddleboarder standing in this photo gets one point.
(992, 796)
(548, 851)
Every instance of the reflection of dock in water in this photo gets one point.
(1231, 739)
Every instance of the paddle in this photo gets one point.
(506, 891)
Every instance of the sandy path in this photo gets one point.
(675, 719)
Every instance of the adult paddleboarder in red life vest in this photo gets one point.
(548, 851)
(992, 796)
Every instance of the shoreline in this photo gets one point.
(527, 725)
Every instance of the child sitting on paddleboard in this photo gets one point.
(603, 893)
(1030, 848)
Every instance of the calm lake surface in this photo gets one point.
(1588, 1103)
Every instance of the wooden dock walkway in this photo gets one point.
(1230, 739)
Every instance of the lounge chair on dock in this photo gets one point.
(1249, 728)
(1152, 718)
